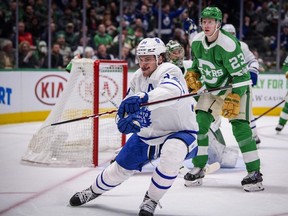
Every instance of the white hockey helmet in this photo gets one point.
(229, 28)
(151, 46)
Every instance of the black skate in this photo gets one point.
(83, 197)
(279, 128)
(257, 139)
(253, 182)
(148, 206)
(194, 177)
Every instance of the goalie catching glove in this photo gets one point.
(131, 105)
(231, 106)
(192, 80)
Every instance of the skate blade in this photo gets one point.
(253, 187)
(197, 182)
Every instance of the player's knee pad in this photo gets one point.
(172, 156)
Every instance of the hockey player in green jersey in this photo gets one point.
(284, 113)
(219, 61)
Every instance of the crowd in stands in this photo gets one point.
(140, 19)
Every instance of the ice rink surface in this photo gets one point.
(43, 191)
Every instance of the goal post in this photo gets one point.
(79, 143)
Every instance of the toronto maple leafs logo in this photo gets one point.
(144, 117)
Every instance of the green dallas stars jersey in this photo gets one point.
(220, 63)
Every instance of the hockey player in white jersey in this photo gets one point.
(253, 68)
(166, 130)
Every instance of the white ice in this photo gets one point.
(44, 191)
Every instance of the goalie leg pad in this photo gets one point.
(229, 157)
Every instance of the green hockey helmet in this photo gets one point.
(212, 12)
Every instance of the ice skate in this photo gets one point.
(194, 177)
(83, 197)
(257, 139)
(279, 128)
(148, 206)
(253, 182)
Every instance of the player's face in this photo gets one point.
(176, 54)
(209, 26)
(148, 64)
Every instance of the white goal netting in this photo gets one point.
(78, 143)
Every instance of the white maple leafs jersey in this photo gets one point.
(250, 58)
(161, 120)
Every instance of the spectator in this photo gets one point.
(28, 15)
(45, 34)
(128, 56)
(145, 15)
(35, 29)
(57, 13)
(167, 19)
(24, 36)
(56, 58)
(102, 37)
(70, 36)
(111, 29)
(65, 50)
(91, 21)
(102, 53)
(7, 55)
(65, 19)
(41, 53)
(79, 49)
(89, 53)
(133, 40)
(26, 57)
(179, 36)
(6, 26)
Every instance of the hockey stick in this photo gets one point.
(85, 117)
(269, 110)
(90, 116)
(210, 168)
(109, 99)
(206, 91)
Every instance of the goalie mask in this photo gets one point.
(175, 53)
(229, 28)
(151, 46)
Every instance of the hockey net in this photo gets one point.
(78, 143)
